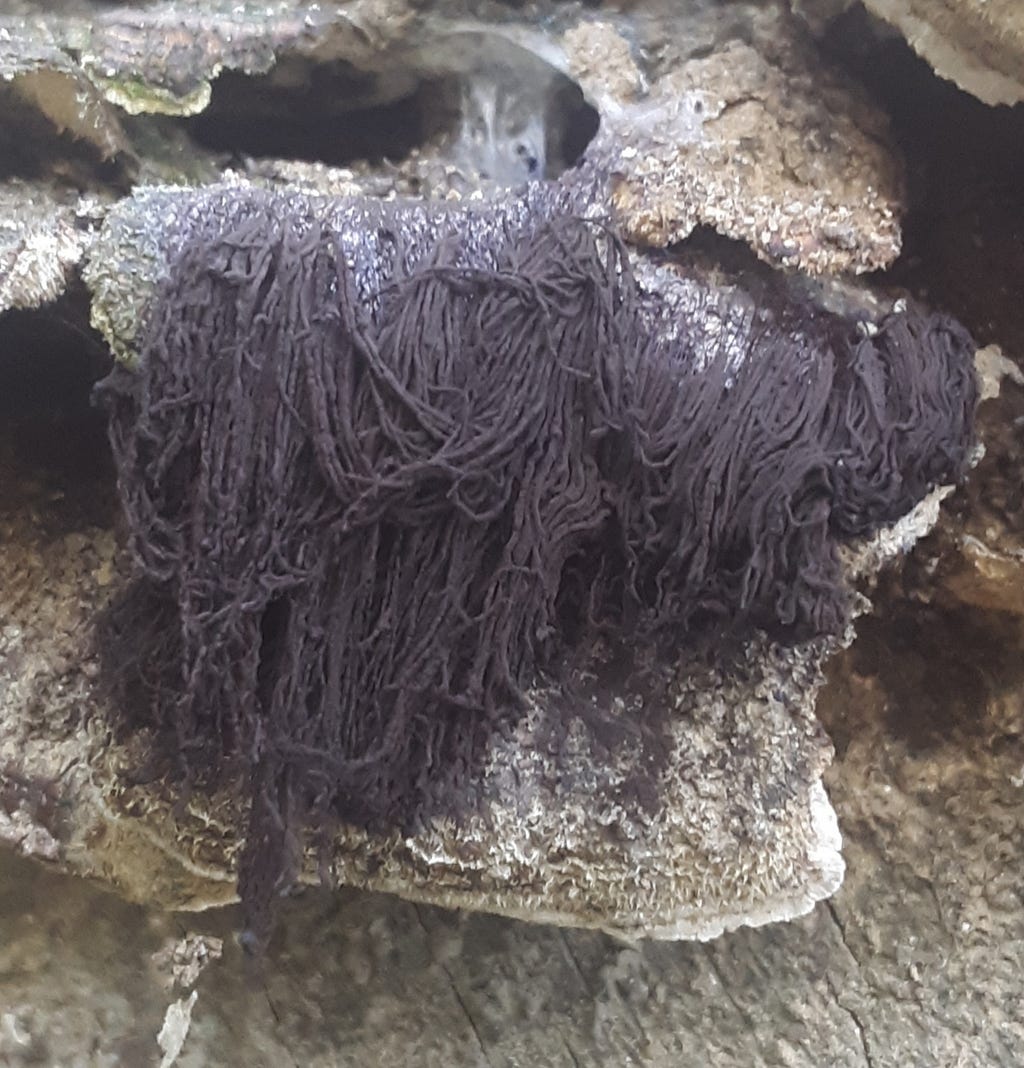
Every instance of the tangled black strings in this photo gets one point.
(362, 532)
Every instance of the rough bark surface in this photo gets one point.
(917, 960)
(977, 44)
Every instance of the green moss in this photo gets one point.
(139, 97)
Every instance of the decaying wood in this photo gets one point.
(916, 959)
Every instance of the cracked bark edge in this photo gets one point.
(976, 45)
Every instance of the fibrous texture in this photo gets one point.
(364, 523)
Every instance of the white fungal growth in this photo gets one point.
(501, 131)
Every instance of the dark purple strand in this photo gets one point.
(360, 537)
